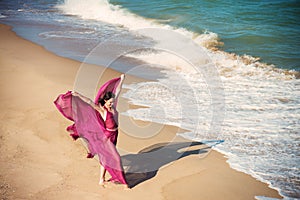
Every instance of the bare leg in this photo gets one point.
(102, 175)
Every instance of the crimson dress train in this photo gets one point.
(99, 134)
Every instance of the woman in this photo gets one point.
(97, 124)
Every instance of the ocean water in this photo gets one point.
(265, 29)
(250, 48)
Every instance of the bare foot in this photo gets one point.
(126, 187)
(102, 183)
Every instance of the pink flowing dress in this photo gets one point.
(99, 134)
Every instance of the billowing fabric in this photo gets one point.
(90, 126)
(109, 86)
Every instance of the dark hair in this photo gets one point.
(107, 96)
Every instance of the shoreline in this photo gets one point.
(41, 160)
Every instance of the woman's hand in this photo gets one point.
(122, 76)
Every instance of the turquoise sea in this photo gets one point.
(265, 29)
(253, 44)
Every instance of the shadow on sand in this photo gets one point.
(144, 165)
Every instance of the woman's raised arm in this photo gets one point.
(118, 89)
(89, 101)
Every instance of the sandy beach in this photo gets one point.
(39, 160)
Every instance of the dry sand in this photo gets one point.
(40, 161)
